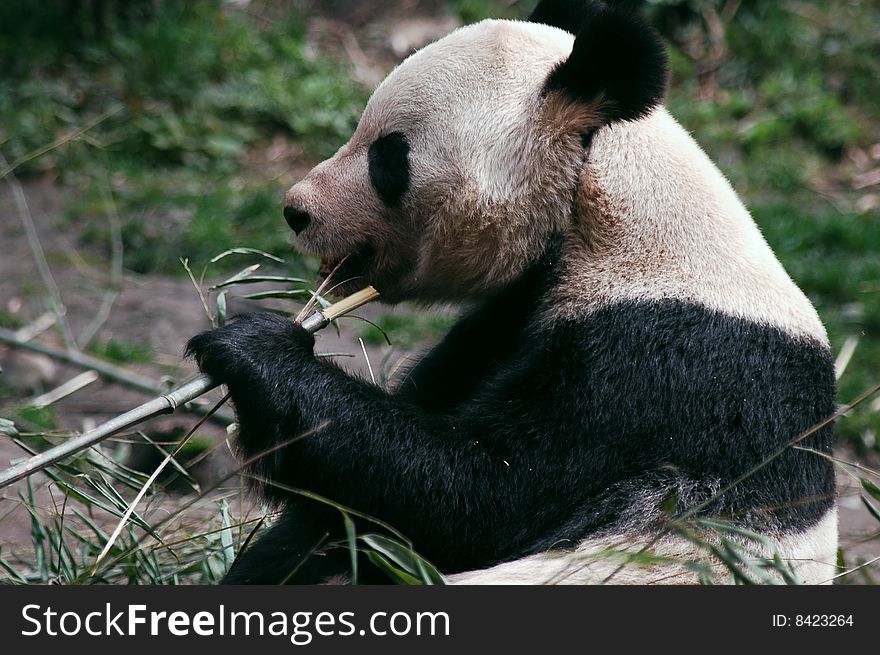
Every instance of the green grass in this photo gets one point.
(198, 83)
(123, 351)
(198, 88)
(187, 214)
(10, 321)
(39, 417)
(471, 11)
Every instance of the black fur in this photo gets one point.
(480, 343)
(514, 435)
(617, 60)
(389, 167)
(567, 15)
(297, 219)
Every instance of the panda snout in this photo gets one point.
(297, 219)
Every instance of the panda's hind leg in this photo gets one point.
(293, 551)
(284, 555)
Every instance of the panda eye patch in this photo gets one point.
(389, 167)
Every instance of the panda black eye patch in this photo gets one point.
(389, 167)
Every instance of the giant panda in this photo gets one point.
(631, 349)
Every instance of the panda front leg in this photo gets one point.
(458, 484)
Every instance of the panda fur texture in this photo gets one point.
(632, 343)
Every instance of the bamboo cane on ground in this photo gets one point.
(167, 403)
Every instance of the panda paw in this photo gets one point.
(252, 351)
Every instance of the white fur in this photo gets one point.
(810, 554)
(485, 177)
(813, 552)
(676, 229)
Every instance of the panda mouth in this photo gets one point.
(349, 272)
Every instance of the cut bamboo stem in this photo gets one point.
(167, 403)
(347, 304)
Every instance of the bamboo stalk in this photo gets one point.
(105, 369)
(167, 403)
(83, 361)
(347, 304)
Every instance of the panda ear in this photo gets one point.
(617, 67)
(569, 15)
(565, 14)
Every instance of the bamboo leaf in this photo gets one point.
(254, 279)
(871, 509)
(351, 537)
(246, 251)
(871, 488)
(235, 279)
(226, 535)
(405, 557)
(279, 293)
(8, 428)
(6, 566)
(729, 528)
(396, 574)
(221, 308)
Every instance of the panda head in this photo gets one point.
(467, 156)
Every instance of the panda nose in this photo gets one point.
(297, 219)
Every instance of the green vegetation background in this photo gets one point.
(782, 95)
